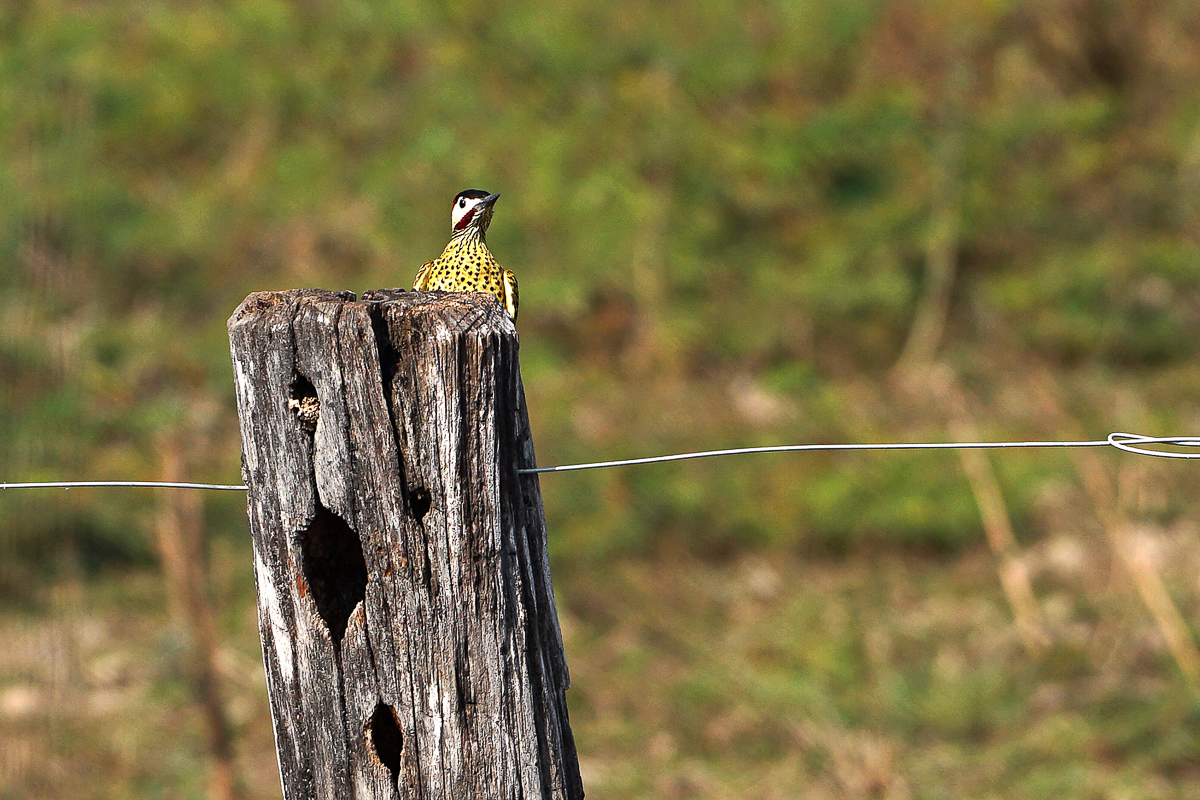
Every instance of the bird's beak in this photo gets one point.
(487, 201)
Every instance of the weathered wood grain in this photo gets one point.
(407, 617)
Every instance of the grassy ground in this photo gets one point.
(888, 674)
(883, 676)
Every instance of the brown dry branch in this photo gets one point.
(1118, 527)
(945, 224)
(916, 372)
(180, 527)
(1014, 575)
(939, 381)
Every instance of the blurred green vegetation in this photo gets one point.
(726, 220)
(721, 219)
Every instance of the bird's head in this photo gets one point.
(472, 208)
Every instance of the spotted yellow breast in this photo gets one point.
(467, 266)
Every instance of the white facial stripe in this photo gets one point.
(466, 212)
(462, 207)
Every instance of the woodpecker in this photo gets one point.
(466, 265)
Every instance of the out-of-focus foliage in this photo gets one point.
(721, 216)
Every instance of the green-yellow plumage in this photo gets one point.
(466, 265)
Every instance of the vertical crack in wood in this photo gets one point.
(335, 570)
(386, 352)
(418, 499)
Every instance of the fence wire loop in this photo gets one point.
(1122, 441)
(1134, 443)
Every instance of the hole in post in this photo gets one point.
(386, 738)
(335, 569)
(419, 500)
(303, 402)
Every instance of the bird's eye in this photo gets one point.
(462, 202)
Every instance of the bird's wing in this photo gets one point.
(511, 297)
(422, 281)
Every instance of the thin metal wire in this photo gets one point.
(137, 484)
(1121, 441)
(791, 448)
(1129, 442)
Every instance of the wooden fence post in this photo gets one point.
(408, 624)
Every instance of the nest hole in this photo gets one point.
(386, 739)
(419, 500)
(335, 570)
